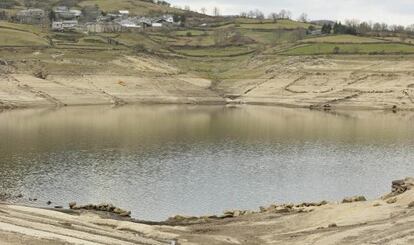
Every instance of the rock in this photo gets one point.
(354, 199)
(180, 218)
(104, 207)
(72, 205)
(212, 217)
(411, 205)
(125, 214)
(333, 225)
(237, 213)
(58, 207)
(282, 210)
(49, 202)
(377, 204)
(322, 203)
(399, 187)
(118, 211)
(392, 200)
(20, 196)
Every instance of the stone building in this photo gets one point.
(31, 16)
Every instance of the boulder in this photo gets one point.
(333, 225)
(104, 207)
(392, 200)
(71, 205)
(354, 199)
(398, 187)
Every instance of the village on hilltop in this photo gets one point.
(92, 19)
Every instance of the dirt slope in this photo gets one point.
(310, 82)
(344, 82)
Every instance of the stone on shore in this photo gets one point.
(354, 199)
(104, 207)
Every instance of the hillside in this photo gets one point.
(137, 7)
(205, 60)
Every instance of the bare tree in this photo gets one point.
(303, 18)
(384, 27)
(364, 28)
(187, 8)
(203, 10)
(397, 28)
(377, 27)
(410, 28)
(288, 15)
(274, 16)
(285, 14)
(216, 11)
(259, 14)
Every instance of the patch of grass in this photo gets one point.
(193, 32)
(93, 40)
(132, 39)
(342, 39)
(10, 37)
(328, 48)
(280, 24)
(21, 27)
(215, 51)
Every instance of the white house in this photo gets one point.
(64, 25)
(124, 13)
(156, 24)
(130, 23)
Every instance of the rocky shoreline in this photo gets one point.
(354, 220)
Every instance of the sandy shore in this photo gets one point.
(387, 220)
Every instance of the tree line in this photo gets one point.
(355, 27)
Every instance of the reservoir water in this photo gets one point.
(159, 161)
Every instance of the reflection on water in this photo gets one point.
(159, 161)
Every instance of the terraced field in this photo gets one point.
(350, 48)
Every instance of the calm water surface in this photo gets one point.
(159, 161)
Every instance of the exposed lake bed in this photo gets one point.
(159, 161)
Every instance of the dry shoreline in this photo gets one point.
(387, 220)
(318, 83)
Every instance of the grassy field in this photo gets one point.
(342, 39)
(190, 32)
(10, 37)
(280, 24)
(327, 48)
(22, 27)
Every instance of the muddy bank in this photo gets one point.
(354, 220)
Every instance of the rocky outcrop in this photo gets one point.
(105, 207)
(354, 199)
(398, 187)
